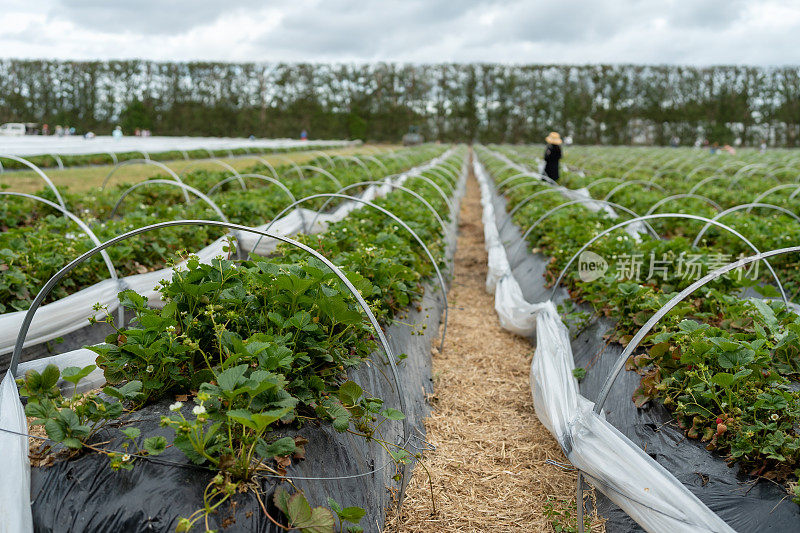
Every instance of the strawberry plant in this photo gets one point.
(74, 420)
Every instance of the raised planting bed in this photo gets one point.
(712, 393)
(274, 365)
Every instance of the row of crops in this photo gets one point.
(709, 383)
(35, 247)
(248, 391)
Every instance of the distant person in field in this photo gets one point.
(117, 133)
(304, 135)
(551, 155)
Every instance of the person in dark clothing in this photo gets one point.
(551, 155)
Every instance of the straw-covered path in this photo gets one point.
(489, 470)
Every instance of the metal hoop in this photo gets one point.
(59, 162)
(634, 182)
(81, 224)
(393, 217)
(667, 215)
(739, 208)
(355, 160)
(777, 188)
(40, 174)
(374, 160)
(602, 180)
(323, 155)
(451, 167)
(631, 169)
(447, 170)
(183, 186)
(253, 176)
(516, 177)
(524, 202)
(394, 186)
(158, 164)
(698, 168)
(433, 184)
(523, 171)
(653, 232)
(323, 172)
(527, 184)
(266, 164)
(771, 173)
(707, 180)
(292, 164)
(444, 177)
(223, 164)
(661, 202)
(750, 167)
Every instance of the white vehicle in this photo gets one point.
(15, 129)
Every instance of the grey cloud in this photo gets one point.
(146, 17)
(368, 30)
(710, 14)
(562, 23)
(518, 31)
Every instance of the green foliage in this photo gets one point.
(562, 516)
(726, 366)
(74, 420)
(300, 513)
(348, 514)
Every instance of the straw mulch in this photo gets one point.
(488, 470)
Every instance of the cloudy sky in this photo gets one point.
(697, 32)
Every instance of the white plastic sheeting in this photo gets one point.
(28, 145)
(640, 486)
(514, 312)
(15, 508)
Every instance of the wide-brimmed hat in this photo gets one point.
(553, 138)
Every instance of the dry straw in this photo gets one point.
(489, 469)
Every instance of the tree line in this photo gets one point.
(609, 104)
